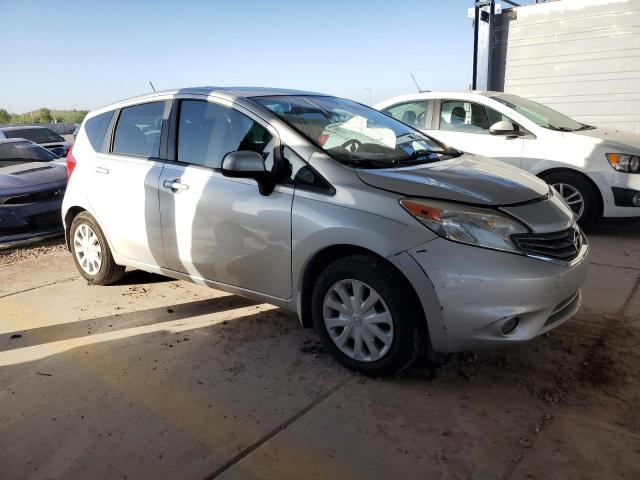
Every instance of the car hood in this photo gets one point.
(25, 175)
(611, 136)
(468, 178)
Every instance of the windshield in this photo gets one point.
(14, 153)
(38, 135)
(352, 133)
(539, 114)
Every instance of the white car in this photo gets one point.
(596, 170)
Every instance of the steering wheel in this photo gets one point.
(352, 145)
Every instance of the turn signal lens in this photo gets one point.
(422, 211)
(624, 162)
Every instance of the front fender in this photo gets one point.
(318, 225)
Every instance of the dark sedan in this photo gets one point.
(42, 136)
(32, 185)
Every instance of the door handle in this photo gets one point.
(102, 170)
(175, 185)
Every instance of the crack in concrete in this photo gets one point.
(40, 286)
(634, 291)
(280, 428)
(613, 266)
(540, 425)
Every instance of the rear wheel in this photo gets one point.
(367, 316)
(91, 252)
(579, 193)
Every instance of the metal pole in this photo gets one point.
(476, 20)
(482, 43)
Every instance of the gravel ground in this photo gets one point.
(18, 254)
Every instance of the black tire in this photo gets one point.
(409, 325)
(109, 270)
(591, 196)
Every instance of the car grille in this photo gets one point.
(563, 246)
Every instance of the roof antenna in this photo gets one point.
(154, 88)
(418, 86)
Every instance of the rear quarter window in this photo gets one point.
(96, 129)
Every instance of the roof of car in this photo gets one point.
(230, 93)
(248, 91)
(22, 127)
(463, 95)
(15, 140)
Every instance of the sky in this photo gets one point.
(85, 54)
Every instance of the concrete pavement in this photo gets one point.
(155, 378)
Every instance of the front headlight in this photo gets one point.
(623, 162)
(460, 223)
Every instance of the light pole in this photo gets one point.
(367, 88)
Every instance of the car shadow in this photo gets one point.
(628, 227)
(140, 277)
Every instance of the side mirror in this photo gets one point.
(248, 164)
(504, 128)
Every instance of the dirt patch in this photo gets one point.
(584, 363)
(46, 247)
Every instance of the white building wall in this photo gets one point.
(581, 57)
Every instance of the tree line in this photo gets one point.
(43, 115)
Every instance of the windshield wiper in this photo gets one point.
(418, 154)
(451, 151)
(565, 129)
(367, 163)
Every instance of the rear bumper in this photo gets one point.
(469, 294)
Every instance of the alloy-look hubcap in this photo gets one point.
(358, 320)
(572, 197)
(87, 249)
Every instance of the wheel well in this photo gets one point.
(68, 219)
(323, 258)
(546, 173)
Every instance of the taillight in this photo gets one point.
(322, 139)
(71, 162)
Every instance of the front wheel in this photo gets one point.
(367, 316)
(91, 252)
(578, 193)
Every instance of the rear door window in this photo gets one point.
(138, 130)
(208, 131)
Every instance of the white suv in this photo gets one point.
(596, 170)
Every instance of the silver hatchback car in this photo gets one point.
(387, 242)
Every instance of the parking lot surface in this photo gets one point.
(156, 378)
